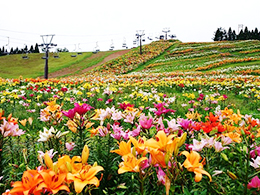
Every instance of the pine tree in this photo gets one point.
(36, 50)
(234, 35)
(246, 34)
(240, 36)
(256, 34)
(31, 49)
(220, 35)
(229, 35)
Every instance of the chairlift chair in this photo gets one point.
(25, 56)
(74, 55)
(94, 51)
(79, 50)
(56, 55)
(112, 45)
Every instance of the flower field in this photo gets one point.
(183, 118)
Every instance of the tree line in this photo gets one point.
(35, 49)
(222, 35)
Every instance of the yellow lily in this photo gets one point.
(192, 164)
(85, 177)
(67, 165)
(23, 122)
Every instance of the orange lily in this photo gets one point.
(234, 136)
(192, 164)
(157, 157)
(162, 141)
(139, 145)
(30, 180)
(2, 114)
(67, 165)
(84, 177)
(130, 164)
(72, 126)
(124, 148)
(52, 106)
(52, 182)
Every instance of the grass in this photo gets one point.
(171, 60)
(12, 66)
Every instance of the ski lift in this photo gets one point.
(79, 50)
(112, 46)
(172, 36)
(25, 55)
(161, 37)
(44, 57)
(74, 55)
(124, 43)
(150, 37)
(96, 49)
(56, 55)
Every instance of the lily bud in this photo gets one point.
(134, 151)
(182, 139)
(48, 161)
(85, 154)
(69, 167)
(167, 157)
(224, 156)
(231, 175)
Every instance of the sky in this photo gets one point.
(84, 25)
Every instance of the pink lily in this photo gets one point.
(254, 183)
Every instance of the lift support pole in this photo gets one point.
(46, 46)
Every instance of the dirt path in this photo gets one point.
(72, 69)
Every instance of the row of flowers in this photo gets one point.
(224, 62)
(133, 59)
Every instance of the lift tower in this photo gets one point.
(46, 46)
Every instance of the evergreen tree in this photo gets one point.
(234, 35)
(240, 36)
(251, 34)
(246, 34)
(25, 48)
(36, 50)
(11, 51)
(16, 51)
(256, 34)
(31, 49)
(220, 35)
(229, 35)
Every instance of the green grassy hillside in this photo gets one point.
(208, 56)
(159, 56)
(12, 66)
